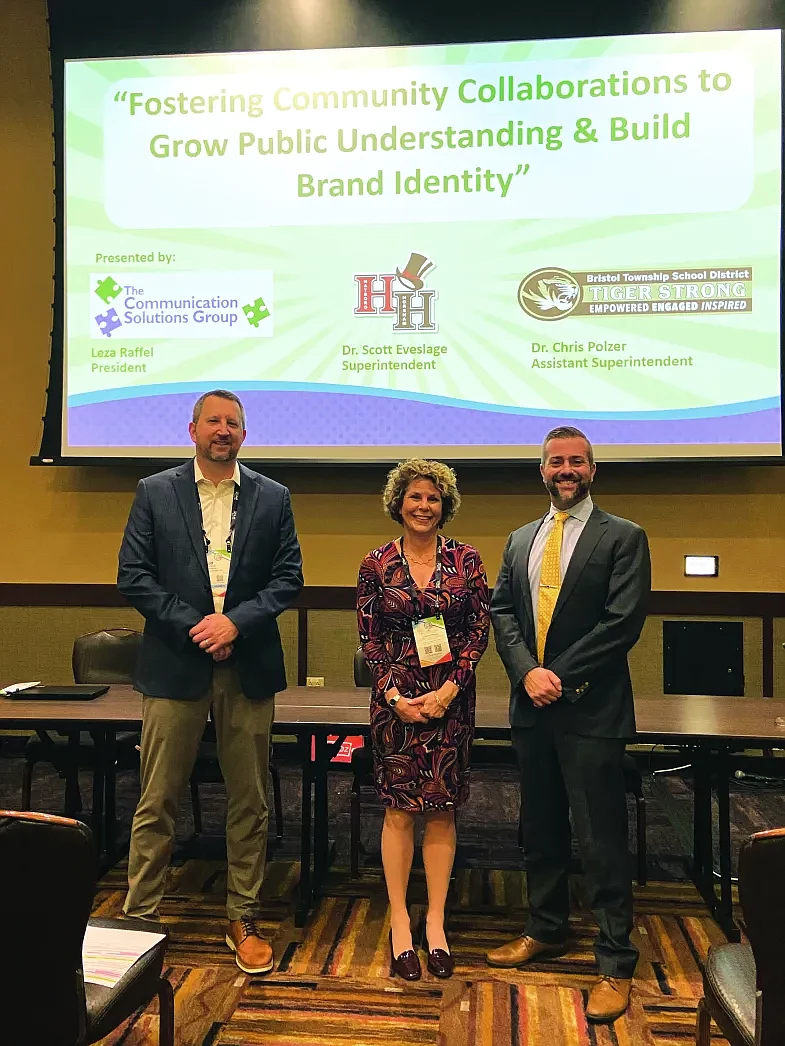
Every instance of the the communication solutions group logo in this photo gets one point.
(549, 294)
(182, 304)
(401, 295)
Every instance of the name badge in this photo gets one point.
(430, 637)
(218, 563)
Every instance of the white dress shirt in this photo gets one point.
(216, 502)
(573, 528)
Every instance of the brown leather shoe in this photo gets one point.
(522, 950)
(251, 952)
(608, 999)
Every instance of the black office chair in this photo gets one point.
(362, 777)
(744, 984)
(109, 656)
(47, 885)
(106, 656)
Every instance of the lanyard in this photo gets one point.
(232, 520)
(437, 573)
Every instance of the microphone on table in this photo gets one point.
(740, 775)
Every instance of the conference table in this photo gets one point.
(710, 728)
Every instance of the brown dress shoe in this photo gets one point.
(608, 998)
(251, 952)
(522, 950)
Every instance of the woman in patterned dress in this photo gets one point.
(422, 717)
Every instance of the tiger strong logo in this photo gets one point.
(553, 293)
(549, 294)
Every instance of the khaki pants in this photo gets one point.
(171, 733)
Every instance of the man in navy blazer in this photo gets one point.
(571, 709)
(210, 558)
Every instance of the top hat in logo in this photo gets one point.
(415, 268)
(549, 294)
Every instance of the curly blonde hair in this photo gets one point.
(406, 472)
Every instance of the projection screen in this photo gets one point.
(442, 248)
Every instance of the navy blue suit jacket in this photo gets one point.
(598, 617)
(163, 573)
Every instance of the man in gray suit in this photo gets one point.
(210, 558)
(569, 603)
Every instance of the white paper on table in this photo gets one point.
(108, 953)
(16, 688)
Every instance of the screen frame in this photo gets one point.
(64, 48)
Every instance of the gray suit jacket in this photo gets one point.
(163, 573)
(598, 618)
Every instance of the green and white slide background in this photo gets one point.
(173, 231)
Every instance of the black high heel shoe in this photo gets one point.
(405, 965)
(440, 963)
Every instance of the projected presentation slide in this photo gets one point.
(448, 248)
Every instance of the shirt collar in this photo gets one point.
(581, 511)
(199, 476)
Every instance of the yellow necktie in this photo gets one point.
(550, 581)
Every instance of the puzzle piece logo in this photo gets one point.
(256, 312)
(108, 322)
(107, 290)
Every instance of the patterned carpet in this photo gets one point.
(331, 984)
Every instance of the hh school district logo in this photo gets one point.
(554, 294)
(182, 304)
(401, 295)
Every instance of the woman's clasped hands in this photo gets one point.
(432, 705)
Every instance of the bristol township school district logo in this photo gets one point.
(401, 295)
(549, 294)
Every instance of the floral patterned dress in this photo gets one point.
(422, 766)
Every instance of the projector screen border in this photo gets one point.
(66, 43)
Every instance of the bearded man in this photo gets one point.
(569, 604)
(210, 558)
